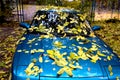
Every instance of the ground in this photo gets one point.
(10, 33)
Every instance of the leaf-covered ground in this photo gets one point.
(9, 35)
(11, 32)
(110, 33)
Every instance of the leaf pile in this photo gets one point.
(110, 33)
(8, 38)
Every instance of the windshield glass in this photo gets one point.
(65, 21)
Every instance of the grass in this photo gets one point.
(11, 32)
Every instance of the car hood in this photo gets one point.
(26, 53)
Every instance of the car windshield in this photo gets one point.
(60, 22)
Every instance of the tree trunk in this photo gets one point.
(2, 17)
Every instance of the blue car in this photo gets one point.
(60, 44)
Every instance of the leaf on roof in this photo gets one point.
(73, 20)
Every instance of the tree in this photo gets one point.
(5, 10)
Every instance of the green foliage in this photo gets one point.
(45, 2)
(73, 4)
(84, 6)
(6, 10)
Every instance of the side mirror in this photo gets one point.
(25, 25)
(95, 28)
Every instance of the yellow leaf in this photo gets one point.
(40, 59)
(110, 70)
(31, 65)
(100, 54)
(92, 34)
(72, 66)
(58, 44)
(94, 58)
(61, 62)
(2, 72)
(117, 78)
(74, 56)
(19, 50)
(94, 47)
(61, 71)
(28, 79)
(26, 51)
(68, 71)
(73, 20)
(23, 38)
(40, 50)
(109, 57)
(40, 70)
(50, 52)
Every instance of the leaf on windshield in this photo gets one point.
(82, 16)
(39, 17)
(92, 34)
(80, 38)
(42, 28)
(73, 20)
(66, 24)
(63, 16)
(60, 28)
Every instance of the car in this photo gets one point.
(60, 44)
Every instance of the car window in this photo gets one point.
(60, 23)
